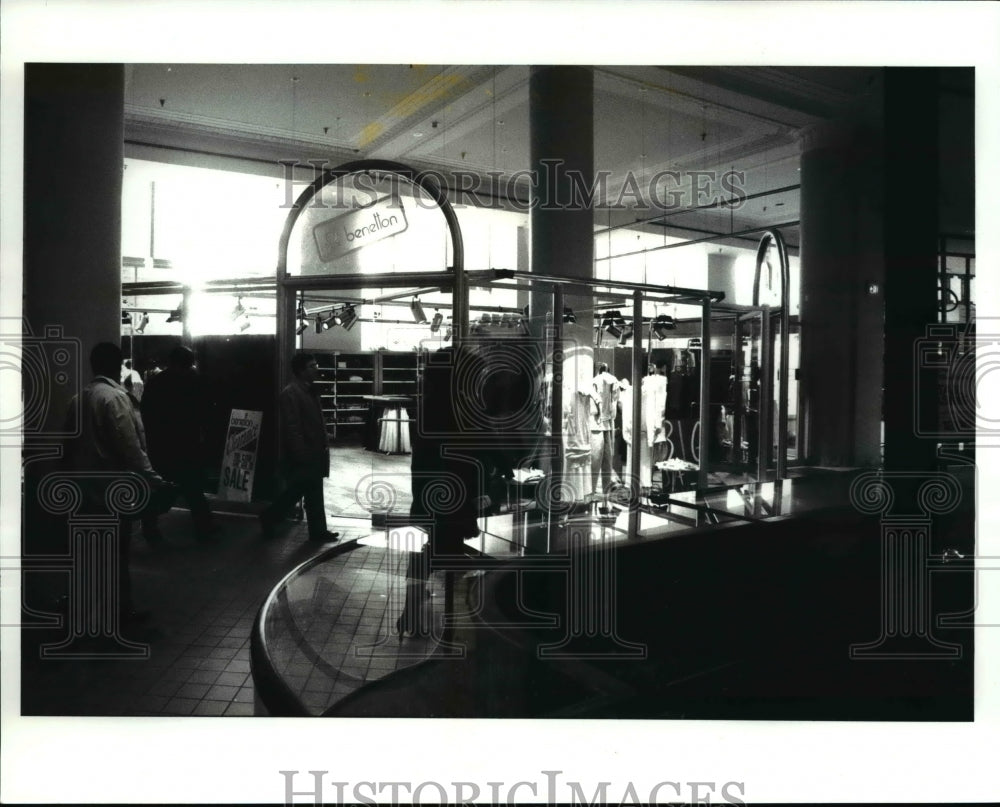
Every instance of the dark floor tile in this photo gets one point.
(232, 679)
(203, 676)
(211, 708)
(165, 688)
(193, 690)
(239, 709)
(180, 706)
(238, 664)
(219, 692)
(216, 664)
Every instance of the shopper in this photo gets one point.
(175, 409)
(305, 453)
(110, 439)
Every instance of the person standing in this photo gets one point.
(111, 439)
(175, 409)
(305, 452)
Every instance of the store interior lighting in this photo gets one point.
(661, 325)
(436, 321)
(143, 322)
(348, 317)
(177, 314)
(613, 324)
(239, 310)
(568, 315)
(418, 312)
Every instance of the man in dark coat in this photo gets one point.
(175, 409)
(305, 452)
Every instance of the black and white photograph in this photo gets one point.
(405, 403)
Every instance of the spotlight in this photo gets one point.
(348, 317)
(626, 335)
(319, 324)
(143, 322)
(661, 325)
(506, 321)
(447, 333)
(245, 324)
(177, 314)
(330, 321)
(436, 321)
(303, 325)
(239, 310)
(568, 315)
(418, 312)
(613, 324)
(126, 318)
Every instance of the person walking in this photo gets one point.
(175, 410)
(305, 452)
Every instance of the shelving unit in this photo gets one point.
(347, 381)
(398, 372)
(326, 381)
(355, 377)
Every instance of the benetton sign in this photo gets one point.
(359, 228)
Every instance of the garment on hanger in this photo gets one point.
(577, 418)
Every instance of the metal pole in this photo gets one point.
(633, 501)
(765, 428)
(737, 457)
(556, 449)
(706, 361)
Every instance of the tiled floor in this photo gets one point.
(203, 599)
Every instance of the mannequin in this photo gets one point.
(652, 437)
(604, 405)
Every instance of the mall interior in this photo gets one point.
(510, 278)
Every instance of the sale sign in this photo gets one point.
(240, 456)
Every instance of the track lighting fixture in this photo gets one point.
(143, 322)
(177, 314)
(613, 324)
(245, 324)
(303, 325)
(330, 321)
(348, 317)
(447, 333)
(126, 318)
(661, 325)
(436, 321)
(319, 324)
(418, 312)
(239, 310)
(568, 315)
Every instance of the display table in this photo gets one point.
(389, 424)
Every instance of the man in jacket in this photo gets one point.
(111, 439)
(305, 454)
